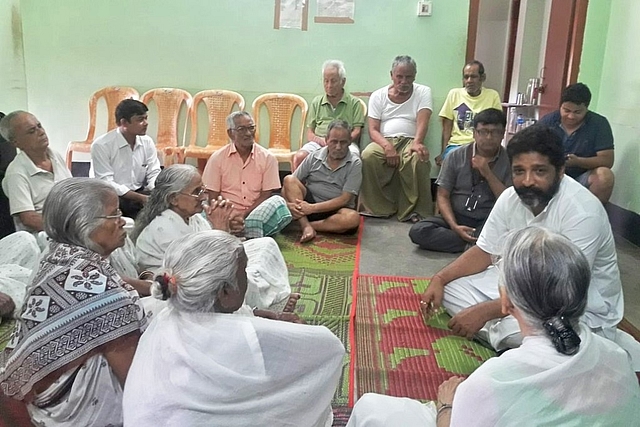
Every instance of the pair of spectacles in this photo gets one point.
(117, 215)
(196, 193)
(243, 129)
(490, 132)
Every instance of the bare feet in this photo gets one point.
(6, 305)
(308, 234)
(291, 303)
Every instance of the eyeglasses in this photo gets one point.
(117, 215)
(490, 132)
(196, 193)
(243, 129)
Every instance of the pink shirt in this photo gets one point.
(241, 182)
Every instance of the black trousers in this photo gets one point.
(131, 208)
(434, 234)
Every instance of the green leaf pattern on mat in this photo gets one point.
(420, 285)
(440, 320)
(400, 353)
(386, 285)
(394, 314)
(459, 355)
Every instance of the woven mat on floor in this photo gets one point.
(321, 271)
(395, 353)
(12, 412)
(6, 329)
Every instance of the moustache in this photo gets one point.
(529, 192)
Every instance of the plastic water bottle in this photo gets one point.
(519, 123)
(511, 122)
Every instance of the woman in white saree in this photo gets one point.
(562, 375)
(175, 209)
(199, 365)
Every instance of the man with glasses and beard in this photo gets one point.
(542, 196)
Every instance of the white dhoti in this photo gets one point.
(467, 291)
(267, 274)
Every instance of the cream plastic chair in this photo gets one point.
(168, 103)
(112, 96)
(280, 108)
(219, 104)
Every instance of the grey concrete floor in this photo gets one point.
(387, 251)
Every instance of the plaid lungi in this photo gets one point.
(267, 218)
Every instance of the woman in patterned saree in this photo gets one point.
(79, 327)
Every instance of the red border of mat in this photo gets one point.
(352, 315)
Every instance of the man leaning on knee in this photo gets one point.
(587, 140)
(395, 166)
(471, 179)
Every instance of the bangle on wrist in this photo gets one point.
(443, 408)
(146, 275)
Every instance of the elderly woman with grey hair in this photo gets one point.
(199, 365)
(80, 323)
(562, 374)
(175, 209)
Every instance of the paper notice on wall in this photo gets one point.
(291, 14)
(335, 11)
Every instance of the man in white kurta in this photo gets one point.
(531, 385)
(572, 212)
(543, 196)
(266, 270)
(215, 369)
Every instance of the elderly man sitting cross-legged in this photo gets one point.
(321, 192)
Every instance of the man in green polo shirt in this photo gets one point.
(336, 103)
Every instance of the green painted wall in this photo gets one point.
(13, 85)
(611, 54)
(74, 47)
(594, 46)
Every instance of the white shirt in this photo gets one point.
(113, 160)
(578, 215)
(27, 186)
(399, 119)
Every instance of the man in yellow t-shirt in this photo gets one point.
(461, 105)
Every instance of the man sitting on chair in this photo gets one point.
(246, 174)
(32, 173)
(321, 193)
(334, 104)
(127, 158)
